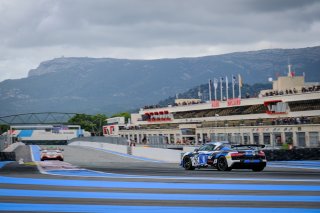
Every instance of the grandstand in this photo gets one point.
(289, 114)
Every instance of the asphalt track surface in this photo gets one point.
(91, 180)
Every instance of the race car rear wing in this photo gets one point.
(248, 145)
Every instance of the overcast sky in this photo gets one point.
(32, 31)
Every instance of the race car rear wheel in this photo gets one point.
(187, 163)
(257, 168)
(222, 164)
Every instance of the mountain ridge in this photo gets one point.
(107, 85)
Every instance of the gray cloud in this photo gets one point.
(36, 30)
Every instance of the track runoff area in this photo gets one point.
(92, 180)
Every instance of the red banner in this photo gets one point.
(234, 102)
(215, 104)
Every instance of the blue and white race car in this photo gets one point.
(225, 157)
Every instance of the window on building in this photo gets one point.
(288, 137)
(277, 139)
(266, 139)
(314, 139)
(256, 138)
(246, 138)
(236, 138)
(213, 137)
(221, 137)
(301, 137)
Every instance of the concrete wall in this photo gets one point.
(99, 145)
(13, 146)
(167, 155)
(38, 135)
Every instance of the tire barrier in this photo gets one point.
(7, 156)
(293, 154)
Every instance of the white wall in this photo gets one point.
(39, 135)
(13, 147)
(106, 146)
(167, 155)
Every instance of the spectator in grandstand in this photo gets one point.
(290, 121)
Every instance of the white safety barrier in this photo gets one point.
(166, 155)
(106, 146)
(13, 147)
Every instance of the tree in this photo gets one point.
(90, 123)
(126, 115)
(4, 128)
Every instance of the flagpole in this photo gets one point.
(215, 85)
(221, 98)
(240, 85)
(210, 90)
(233, 79)
(227, 87)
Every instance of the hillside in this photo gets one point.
(105, 85)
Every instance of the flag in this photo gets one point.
(210, 83)
(233, 83)
(234, 79)
(221, 87)
(240, 80)
(221, 80)
(227, 86)
(227, 82)
(215, 83)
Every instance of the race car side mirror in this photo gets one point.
(196, 150)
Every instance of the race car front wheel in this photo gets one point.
(222, 164)
(188, 164)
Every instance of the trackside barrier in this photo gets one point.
(13, 146)
(174, 156)
(166, 155)
(8, 153)
(293, 154)
(102, 139)
(101, 145)
(7, 156)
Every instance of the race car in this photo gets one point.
(224, 157)
(51, 153)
